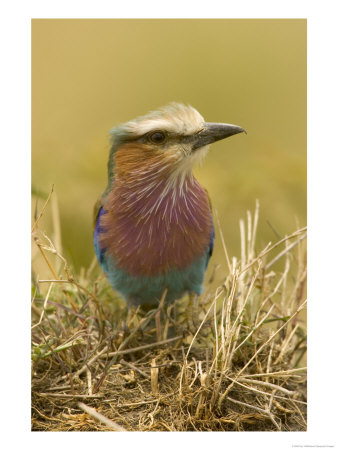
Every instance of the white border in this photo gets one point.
(322, 191)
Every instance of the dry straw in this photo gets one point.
(232, 360)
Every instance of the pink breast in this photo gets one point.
(149, 233)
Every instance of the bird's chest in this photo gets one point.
(151, 234)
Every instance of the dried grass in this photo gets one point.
(231, 360)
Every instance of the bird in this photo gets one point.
(153, 225)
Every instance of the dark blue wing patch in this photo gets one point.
(211, 245)
(98, 229)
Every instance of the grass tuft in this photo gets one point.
(231, 360)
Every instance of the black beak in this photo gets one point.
(213, 132)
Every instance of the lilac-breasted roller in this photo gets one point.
(153, 224)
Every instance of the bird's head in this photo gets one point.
(166, 143)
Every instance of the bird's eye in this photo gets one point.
(158, 137)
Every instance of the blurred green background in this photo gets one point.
(90, 75)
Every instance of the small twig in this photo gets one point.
(258, 391)
(46, 394)
(242, 233)
(133, 367)
(89, 382)
(254, 231)
(154, 377)
(269, 385)
(109, 400)
(158, 316)
(144, 347)
(222, 240)
(281, 408)
(281, 373)
(64, 387)
(256, 408)
(100, 417)
(282, 253)
(43, 208)
(44, 306)
(261, 410)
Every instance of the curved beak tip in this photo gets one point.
(223, 130)
(237, 129)
(214, 132)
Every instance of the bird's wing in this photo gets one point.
(212, 240)
(96, 210)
